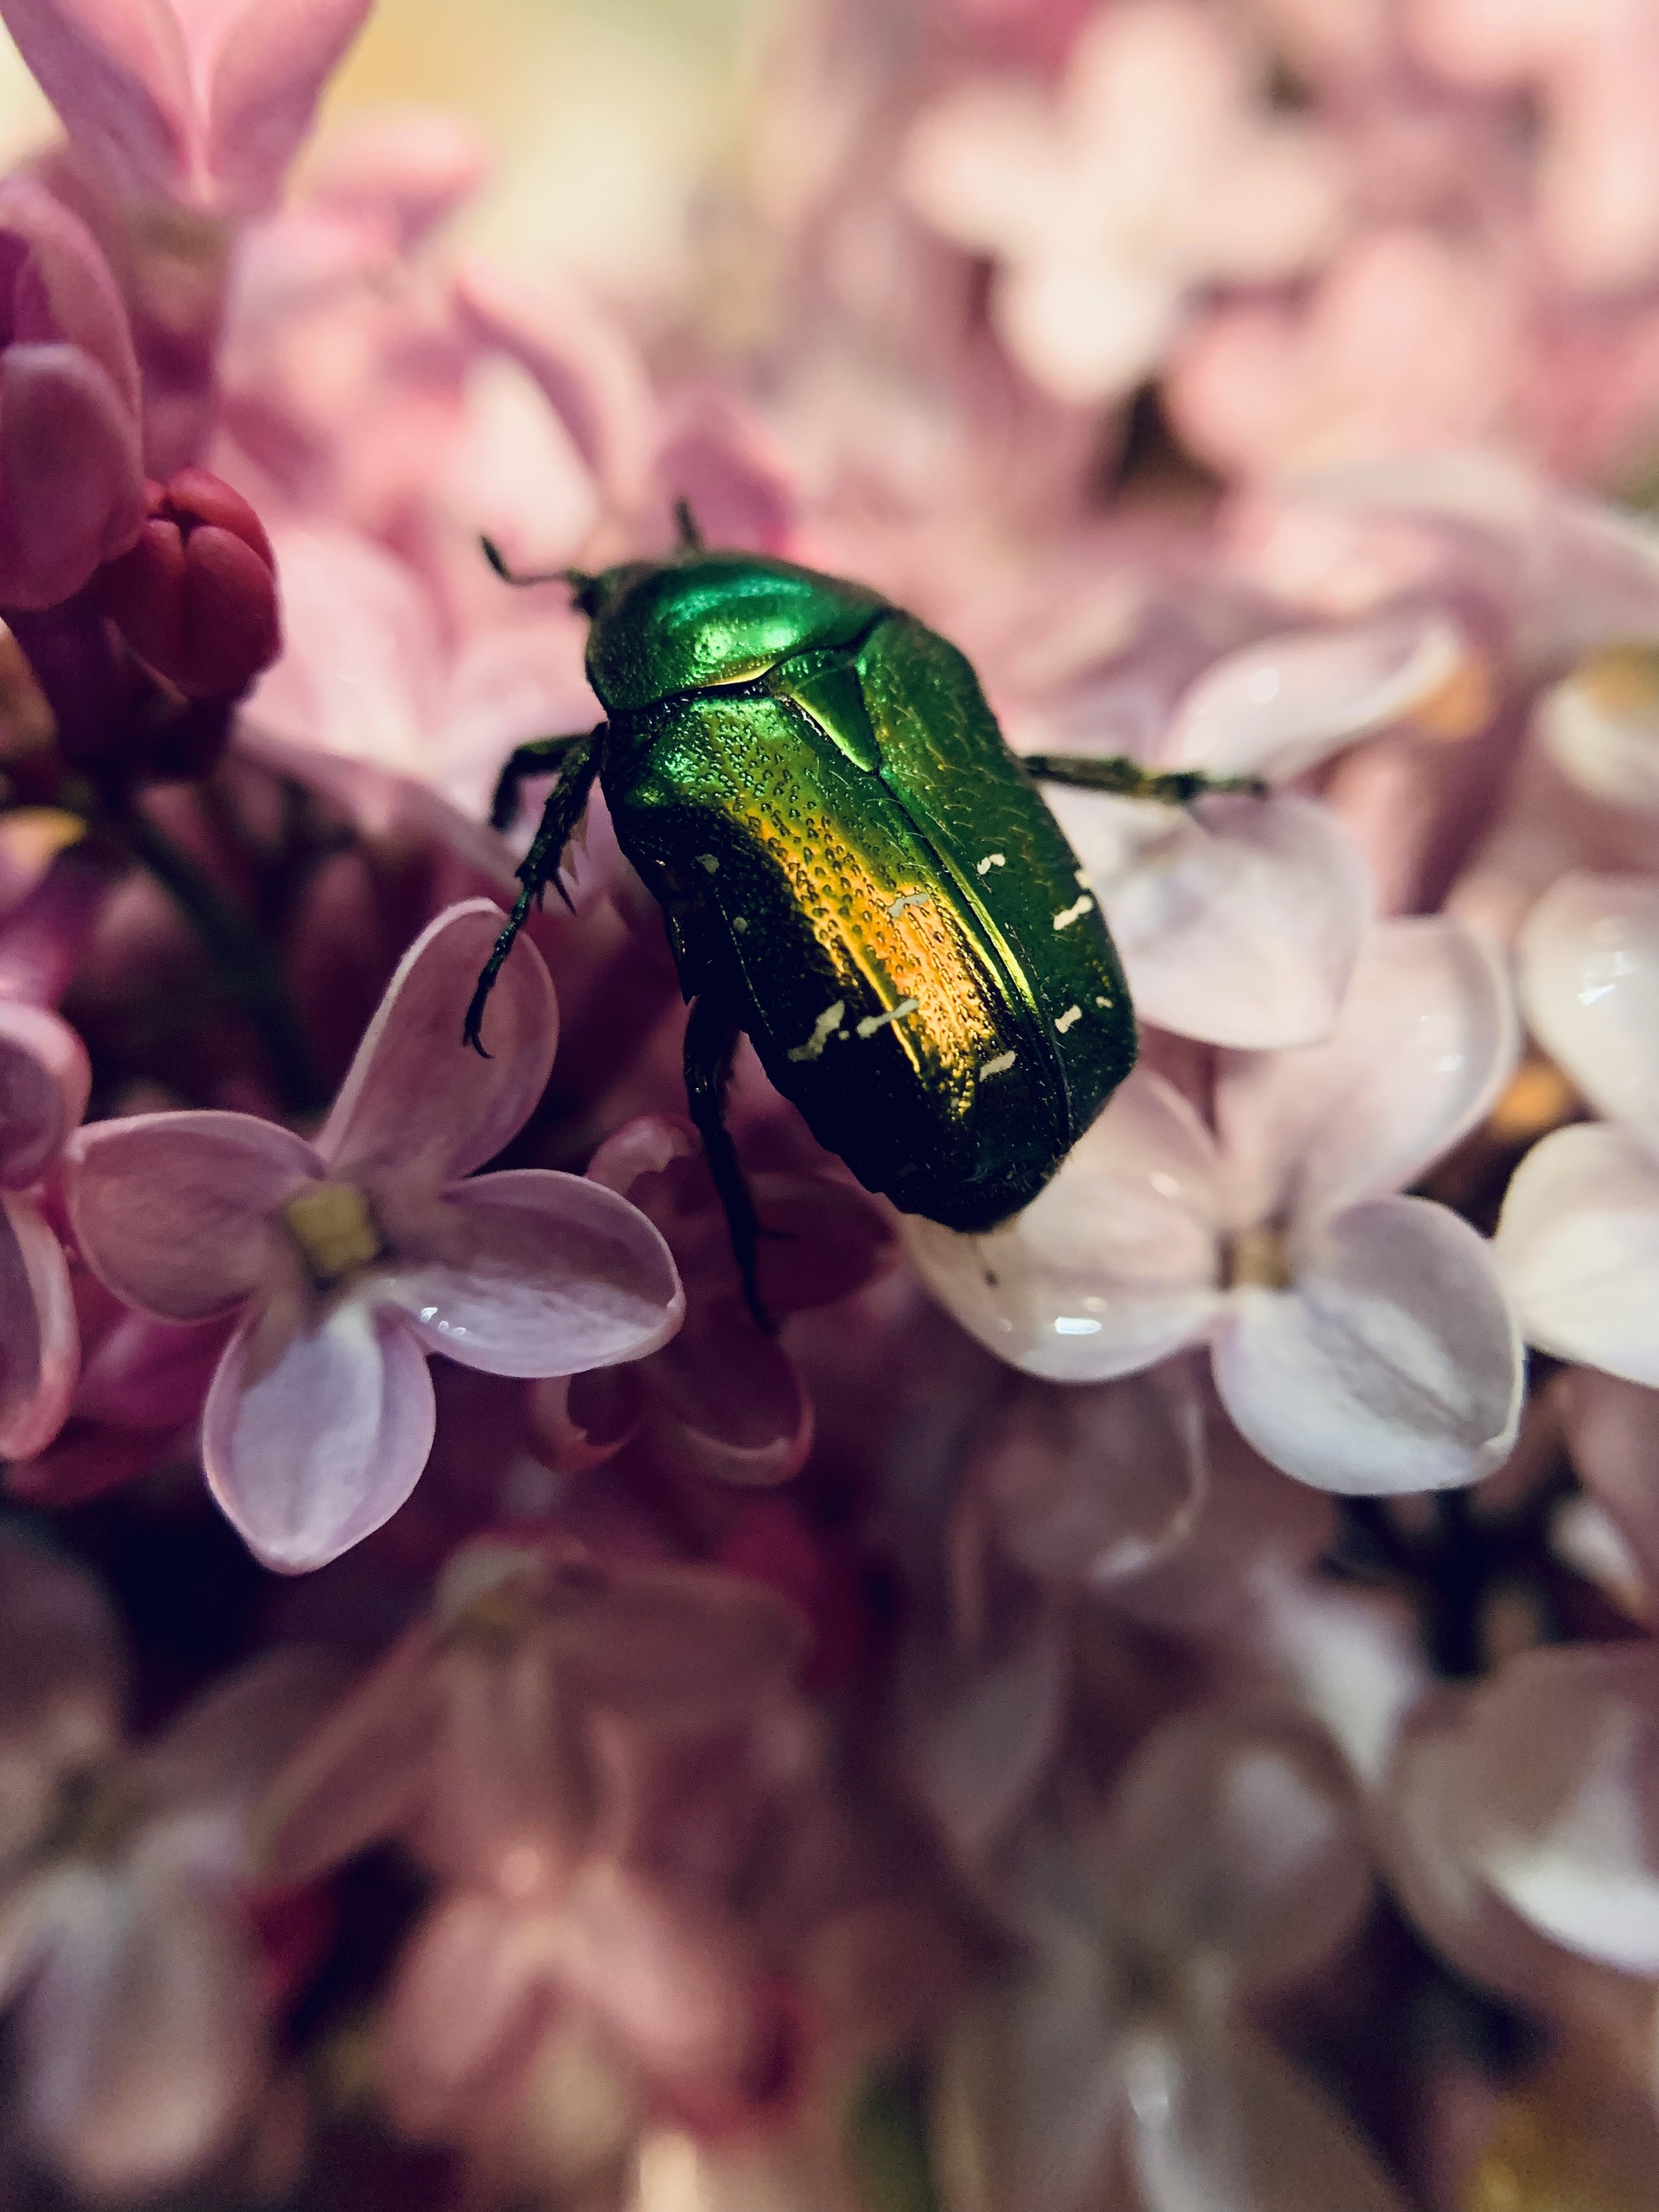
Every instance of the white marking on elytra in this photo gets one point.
(739, 922)
(1102, 1002)
(997, 1066)
(872, 1023)
(1063, 1022)
(827, 1023)
(992, 860)
(708, 861)
(1082, 876)
(906, 898)
(1068, 915)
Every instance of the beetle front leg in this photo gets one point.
(1127, 778)
(566, 803)
(711, 1042)
(541, 756)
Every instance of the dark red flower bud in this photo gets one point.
(196, 596)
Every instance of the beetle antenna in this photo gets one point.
(691, 538)
(578, 578)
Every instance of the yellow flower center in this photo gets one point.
(1258, 1256)
(331, 1225)
(1621, 680)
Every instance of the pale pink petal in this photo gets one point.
(417, 1099)
(1238, 921)
(1590, 983)
(1239, 1842)
(45, 1076)
(1612, 1433)
(61, 1678)
(1096, 1484)
(174, 1212)
(1393, 1365)
(207, 104)
(1578, 1244)
(1556, 1801)
(140, 2035)
(71, 488)
(312, 1449)
(532, 1273)
(1112, 1266)
(39, 1339)
(1279, 707)
(359, 1776)
(468, 2004)
(725, 1401)
(1426, 1038)
(1223, 2124)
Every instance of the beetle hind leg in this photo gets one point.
(541, 756)
(566, 803)
(711, 1041)
(1127, 778)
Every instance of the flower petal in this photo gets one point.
(71, 489)
(40, 1341)
(140, 2035)
(1590, 982)
(1426, 1035)
(1557, 1797)
(1239, 924)
(45, 1076)
(1109, 1269)
(1394, 1363)
(1280, 706)
(1578, 1245)
(1611, 1429)
(311, 1444)
(173, 1211)
(469, 2001)
(532, 1272)
(727, 1402)
(417, 1099)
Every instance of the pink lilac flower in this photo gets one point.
(723, 1399)
(352, 1259)
(1359, 1339)
(587, 1756)
(1239, 919)
(71, 489)
(176, 100)
(1152, 175)
(1229, 1863)
(1578, 1240)
(127, 1955)
(196, 598)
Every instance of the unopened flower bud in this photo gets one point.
(196, 596)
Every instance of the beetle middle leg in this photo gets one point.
(566, 803)
(1127, 778)
(711, 1042)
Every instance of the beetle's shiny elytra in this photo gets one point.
(855, 871)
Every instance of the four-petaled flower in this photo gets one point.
(354, 1257)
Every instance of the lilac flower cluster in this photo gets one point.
(1155, 1705)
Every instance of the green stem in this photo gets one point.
(248, 974)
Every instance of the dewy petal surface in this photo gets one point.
(418, 1100)
(1577, 1244)
(532, 1273)
(1393, 1365)
(1590, 983)
(1241, 925)
(1556, 1797)
(312, 1447)
(1109, 1269)
(173, 1211)
(1278, 706)
(1426, 1035)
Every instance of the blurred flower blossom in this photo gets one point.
(1230, 1863)
(1152, 175)
(1360, 1340)
(71, 489)
(182, 100)
(587, 1755)
(1578, 1242)
(353, 1258)
(125, 1948)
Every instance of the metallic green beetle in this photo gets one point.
(855, 871)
